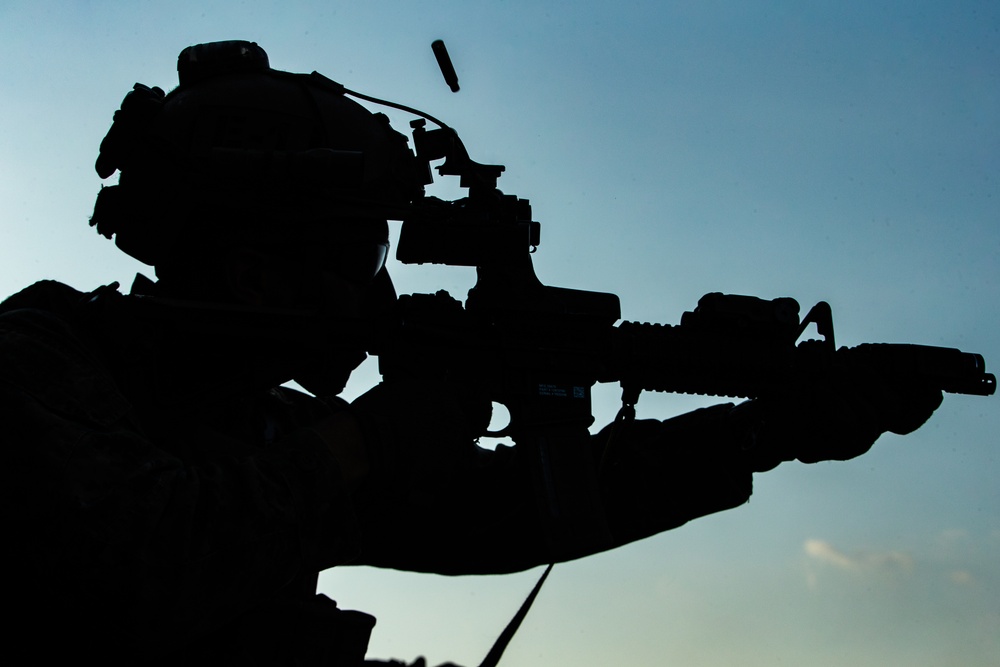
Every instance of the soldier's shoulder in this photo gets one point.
(46, 295)
(44, 353)
(47, 313)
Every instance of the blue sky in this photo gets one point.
(838, 151)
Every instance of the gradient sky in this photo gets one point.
(848, 152)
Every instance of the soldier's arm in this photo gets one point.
(107, 531)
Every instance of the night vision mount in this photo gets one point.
(487, 227)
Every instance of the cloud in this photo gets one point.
(825, 552)
(954, 535)
(960, 577)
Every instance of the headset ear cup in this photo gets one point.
(140, 232)
(117, 211)
(107, 211)
(139, 107)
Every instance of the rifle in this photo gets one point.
(539, 350)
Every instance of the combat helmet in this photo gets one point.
(239, 148)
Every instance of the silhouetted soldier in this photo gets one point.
(168, 502)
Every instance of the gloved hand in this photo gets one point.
(839, 417)
(424, 428)
(434, 501)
